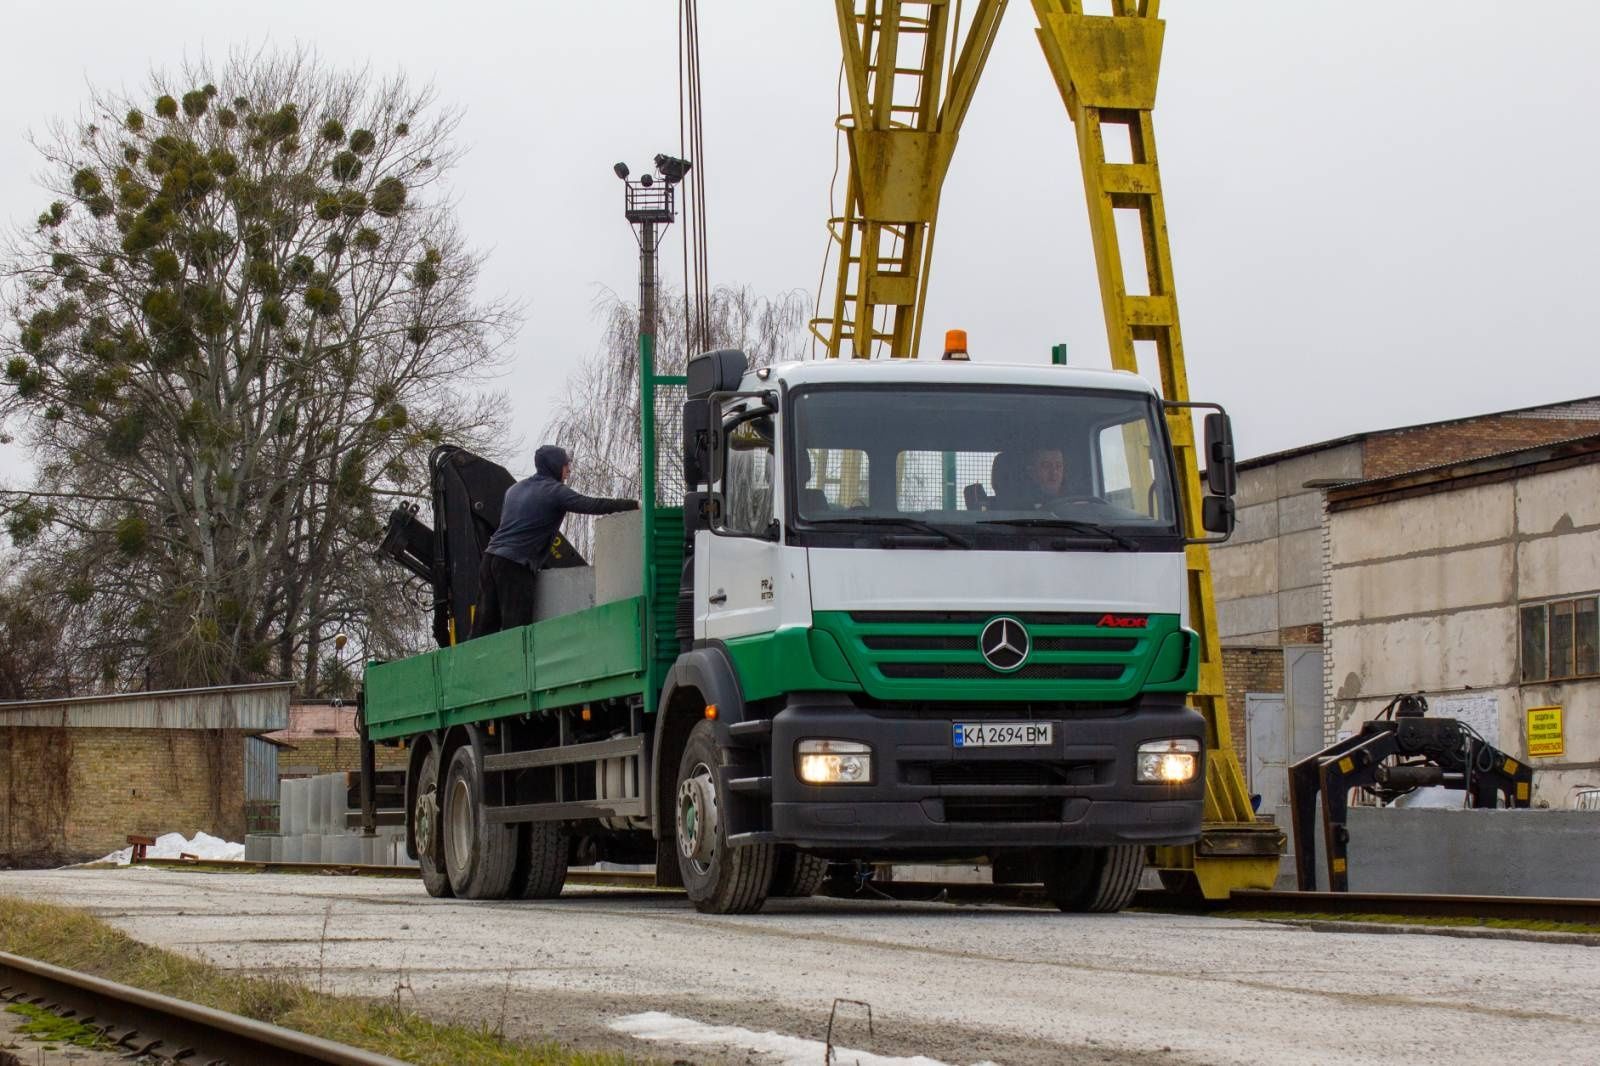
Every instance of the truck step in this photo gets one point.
(751, 733)
(760, 786)
(739, 839)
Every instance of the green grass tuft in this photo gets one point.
(49, 1029)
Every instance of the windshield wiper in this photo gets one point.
(894, 520)
(1065, 523)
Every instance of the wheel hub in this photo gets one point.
(427, 817)
(697, 817)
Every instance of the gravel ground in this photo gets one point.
(960, 985)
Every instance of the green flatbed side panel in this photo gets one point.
(604, 643)
(486, 677)
(402, 697)
(587, 655)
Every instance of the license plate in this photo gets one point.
(1002, 734)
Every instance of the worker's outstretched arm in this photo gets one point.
(577, 503)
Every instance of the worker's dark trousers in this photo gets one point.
(505, 596)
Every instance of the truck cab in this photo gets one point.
(949, 599)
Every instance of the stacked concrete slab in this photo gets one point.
(312, 815)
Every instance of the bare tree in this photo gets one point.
(236, 331)
(597, 420)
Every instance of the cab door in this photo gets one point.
(740, 554)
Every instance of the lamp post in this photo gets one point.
(648, 205)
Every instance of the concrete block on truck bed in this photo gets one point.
(564, 591)
(618, 557)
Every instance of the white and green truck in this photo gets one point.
(891, 611)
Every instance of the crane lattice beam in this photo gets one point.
(910, 81)
(1106, 68)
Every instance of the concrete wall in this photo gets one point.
(1424, 596)
(78, 793)
(1491, 853)
(1268, 576)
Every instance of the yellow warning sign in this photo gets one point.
(1545, 737)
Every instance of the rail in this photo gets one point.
(145, 1023)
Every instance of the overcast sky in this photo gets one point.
(1381, 213)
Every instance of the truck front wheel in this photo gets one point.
(1093, 879)
(720, 879)
(480, 855)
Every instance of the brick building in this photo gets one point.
(321, 738)
(1272, 578)
(78, 775)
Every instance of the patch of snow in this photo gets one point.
(173, 845)
(774, 1047)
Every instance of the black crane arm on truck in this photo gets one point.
(467, 492)
(1399, 751)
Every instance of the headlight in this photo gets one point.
(1168, 762)
(834, 762)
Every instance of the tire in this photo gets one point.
(1099, 880)
(427, 825)
(796, 875)
(719, 879)
(542, 849)
(480, 855)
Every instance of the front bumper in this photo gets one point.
(928, 797)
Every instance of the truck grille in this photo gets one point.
(979, 671)
(878, 642)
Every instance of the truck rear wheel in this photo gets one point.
(479, 854)
(720, 879)
(1093, 879)
(541, 860)
(427, 825)
(796, 874)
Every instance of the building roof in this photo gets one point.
(1486, 469)
(257, 708)
(1354, 438)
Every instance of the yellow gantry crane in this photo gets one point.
(911, 67)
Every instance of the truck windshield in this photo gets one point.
(982, 466)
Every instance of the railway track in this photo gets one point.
(160, 1028)
(1388, 904)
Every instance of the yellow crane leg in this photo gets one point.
(1106, 69)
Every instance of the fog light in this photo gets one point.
(834, 762)
(1168, 762)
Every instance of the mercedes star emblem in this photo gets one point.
(1005, 644)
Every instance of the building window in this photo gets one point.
(1561, 639)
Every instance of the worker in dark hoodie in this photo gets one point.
(530, 518)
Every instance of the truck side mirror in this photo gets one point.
(1217, 515)
(718, 371)
(696, 443)
(1222, 472)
